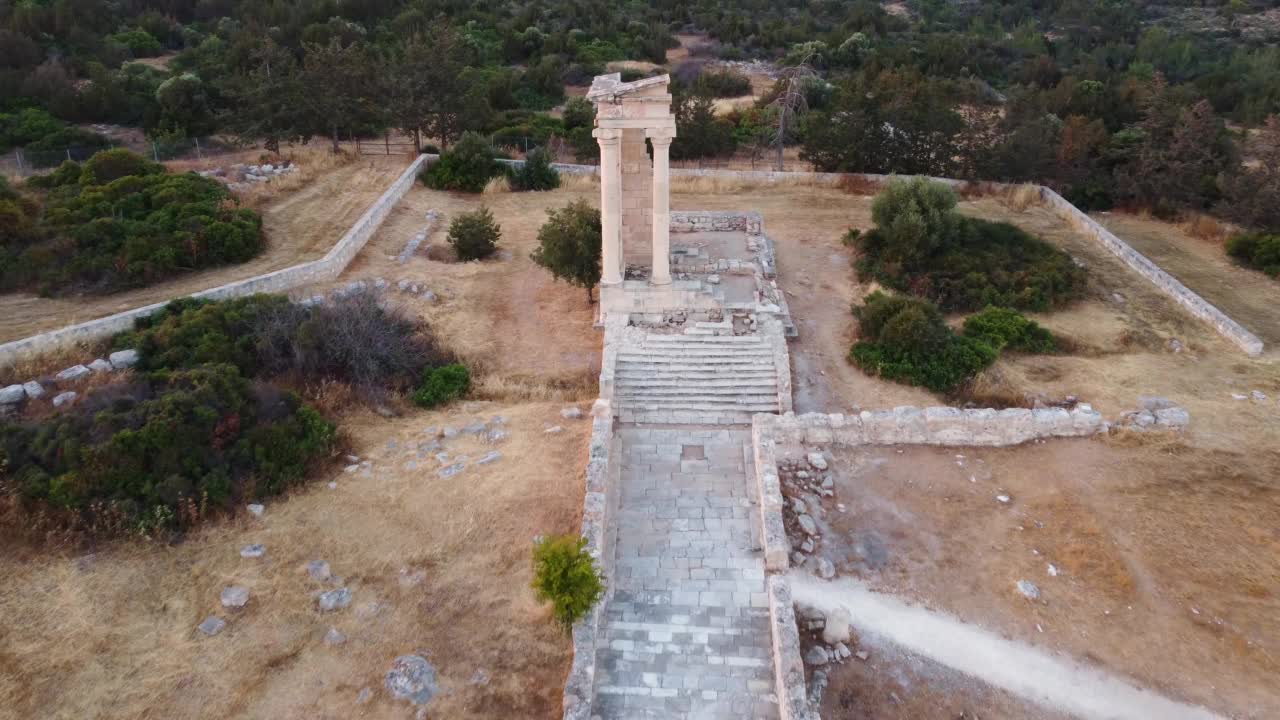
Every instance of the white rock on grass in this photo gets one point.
(319, 570)
(12, 395)
(334, 637)
(491, 456)
(1028, 589)
(255, 509)
(33, 389)
(212, 625)
(334, 599)
(255, 550)
(571, 413)
(75, 372)
(553, 430)
(411, 678)
(100, 365)
(64, 398)
(234, 597)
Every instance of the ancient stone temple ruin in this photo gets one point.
(695, 343)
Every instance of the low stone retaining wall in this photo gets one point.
(716, 221)
(788, 666)
(600, 505)
(1139, 263)
(326, 268)
(901, 426)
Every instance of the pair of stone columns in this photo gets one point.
(610, 140)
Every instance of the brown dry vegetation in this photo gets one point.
(300, 226)
(112, 634)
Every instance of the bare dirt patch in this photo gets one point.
(300, 226)
(1136, 548)
(438, 567)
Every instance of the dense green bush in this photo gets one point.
(922, 245)
(1257, 251)
(1003, 328)
(474, 235)
(723, 83)
(355, 339)
(569, 245)
(905, 339)
(163, 451)
(466, 167)
(535, 173)
(124, 222)
(140, 43)
(565, 575)
(442, 384)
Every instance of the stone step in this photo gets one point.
(705, 339)
(688, 417)
(696, 391)
(695, 403)
(766, 360)
(693, 376)
(641, 354)
(725, 384)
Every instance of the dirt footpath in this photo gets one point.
(301, 226)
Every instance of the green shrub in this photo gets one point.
(165, 450)
(474, 235)
(565, 575)
(442, 384)
(1005, 328)
(535, 173)
(466, 167)
(905, 339)
(354, 339)
(123, 222)
(141, 43)
(1257, 250)
(922, 245)
(109, 165)
(569, 245)
(723, 83)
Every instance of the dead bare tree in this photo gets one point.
(791, 102)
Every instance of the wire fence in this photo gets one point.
(32, 160)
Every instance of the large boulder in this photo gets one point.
(412, 678)
(73, 373)
(122, 359)
(837, 625)
(12, 395)
(33, 389)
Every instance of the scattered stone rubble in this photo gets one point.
(14, 396)
(1154, 413)
(240, 175)
(411, 247)
(354, 287)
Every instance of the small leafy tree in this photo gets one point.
(474, 235)
(535, 173)
(1004, 328)
(565, 575)
(569, 245)
(467, 167)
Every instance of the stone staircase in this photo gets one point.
(702, 377)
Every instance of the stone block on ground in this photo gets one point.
(411, 678)
(12, 395)
(73, 373)
(65, 398)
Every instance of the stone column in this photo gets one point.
(610, 140)
(661, 141)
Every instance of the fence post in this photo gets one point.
(199, 156)
(357, 146)
(68, 154)
(386, 138)
(155, 153)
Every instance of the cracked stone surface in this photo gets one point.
(686, 633)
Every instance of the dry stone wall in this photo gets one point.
(326, 268)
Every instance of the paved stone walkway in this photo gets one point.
(686, 633)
